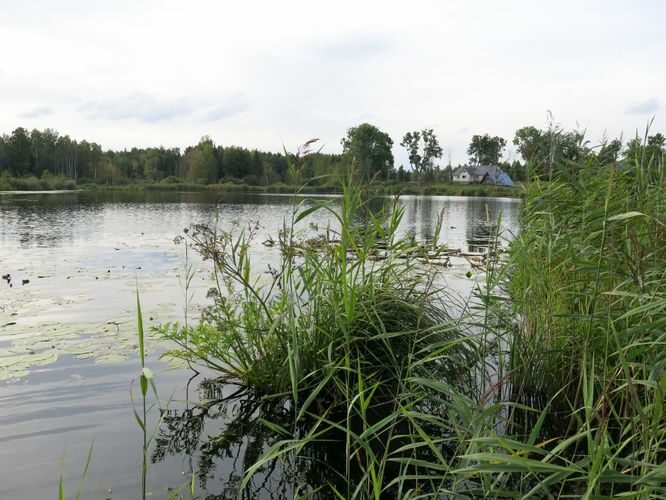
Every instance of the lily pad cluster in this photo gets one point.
(24, 347)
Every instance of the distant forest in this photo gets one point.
(46, 153)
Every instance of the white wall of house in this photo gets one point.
(464, 177)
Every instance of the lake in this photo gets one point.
(68, 343)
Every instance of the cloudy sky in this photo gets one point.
(263, 74)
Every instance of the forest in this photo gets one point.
(48, 155)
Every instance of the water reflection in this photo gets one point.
(236, 437)
(481, 234)
(92, 248)
(65, 219)
(232, 428)
(468, 224)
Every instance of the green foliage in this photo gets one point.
(555, 389)
(24, 154)
(369, 149)
(651, 149)
(549, 152)
(321, 295)
(423, 148)
(588, 284)
(486, 150)
(200, 163)
(341, 332)
(46, 183)
(609, 152)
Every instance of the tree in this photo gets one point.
(548, 151)
(609, 151)
(423, 148)
(3, 153)
(529, 141)
(90, 155)
(235, 162)
(370, 149)
(655, 147)
(19, 152)
(652, 149)
(201, 162)
(486, 150)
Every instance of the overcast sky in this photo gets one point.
(263, 74)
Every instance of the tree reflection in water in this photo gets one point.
(239, 438)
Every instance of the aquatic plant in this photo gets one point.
(550, 384)
(339, 331)
(581, 396)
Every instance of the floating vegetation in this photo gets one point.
(25, 346)
(15, 365)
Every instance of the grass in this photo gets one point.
(47, 183)
(339, 332)
(390, 188)
(588, 282)
(550, 384)
(451, 189)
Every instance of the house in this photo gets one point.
(482, 174)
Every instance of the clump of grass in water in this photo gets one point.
(588, 354)
(360, 347)
(341, 335)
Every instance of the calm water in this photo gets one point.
(68, 343)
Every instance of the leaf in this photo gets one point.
(144, 384)
(148, 373)
(278, 429)
(140, 328)
(627, 215)
(302, 215)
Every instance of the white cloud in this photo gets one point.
(137, 107)
(37, 112)
(261, 74)
(649, 106)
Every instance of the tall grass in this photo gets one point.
(339, 332)
(146, 379)
(550, 384)
(588, 284)
(46, 183)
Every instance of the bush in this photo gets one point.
(171, 180)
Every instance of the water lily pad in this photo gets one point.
(176, 363)
(42, 358)
(7, 362)
(10, 375)
(110, 359)
(16, 364)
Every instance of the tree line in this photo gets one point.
(43, 153)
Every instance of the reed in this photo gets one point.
(550, 384)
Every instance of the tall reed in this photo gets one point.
(550, 384)
(587, 351)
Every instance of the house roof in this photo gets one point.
(495, 174)
(479, 170)
(500, 178)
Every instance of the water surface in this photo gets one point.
(68, 350)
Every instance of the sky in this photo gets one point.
(268, 75)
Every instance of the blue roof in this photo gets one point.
(500, 178)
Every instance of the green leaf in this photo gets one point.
(278, 429)
(627, 215)
(144, 384)
(302, 215)
(140, 328)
